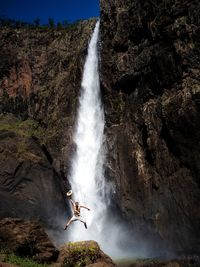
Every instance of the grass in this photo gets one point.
(19, 261)
(22, 128)
(20, 141)
(26, 128)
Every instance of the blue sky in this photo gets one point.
(59, 10)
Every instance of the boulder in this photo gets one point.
(26, 239)
(83, 253)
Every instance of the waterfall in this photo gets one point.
(87, 177)
(87, 173)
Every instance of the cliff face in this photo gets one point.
(150, 80)
(40, 75)
(150, 52)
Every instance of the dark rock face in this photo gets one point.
(26, 239)
(150, 80)
(39, 85)
(30, 187)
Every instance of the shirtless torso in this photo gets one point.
(76, 208)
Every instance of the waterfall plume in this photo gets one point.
(87, 177)
(87, 168)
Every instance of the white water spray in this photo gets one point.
(87, 179)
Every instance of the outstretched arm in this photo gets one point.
(84, 207)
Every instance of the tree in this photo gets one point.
(37, 22)
(59, 25)
(18, 23)
(65, 23)
(51, 23)
(5, 22)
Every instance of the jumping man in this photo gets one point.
(76, 208)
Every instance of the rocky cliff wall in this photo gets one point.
(150, 56)
(40, 75)
(151, 89)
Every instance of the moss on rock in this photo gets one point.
(83, 253)
(77, 254)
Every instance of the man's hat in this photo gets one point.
(69, 193)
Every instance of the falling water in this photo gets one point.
(87, 174)
(87, 179)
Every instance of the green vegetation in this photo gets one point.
(26, 128)
(37, 22)
(22, 130)
(80, 254)
(11, 23)
(20, 133)
(117, 104)
(19, 261)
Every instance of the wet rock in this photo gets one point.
(150, 83)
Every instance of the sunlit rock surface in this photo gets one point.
(40, 75)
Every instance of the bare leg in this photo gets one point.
(84, 222)
(68, 223)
